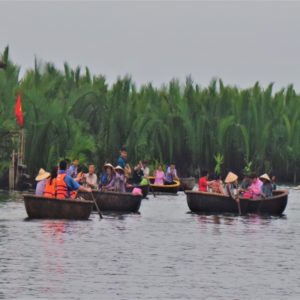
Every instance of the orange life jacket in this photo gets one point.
(50, 189)
(73, 194)
(61, 187)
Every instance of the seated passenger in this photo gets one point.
(231, 185)
(203, 183)
(41, 178)
(217, 185)
(266, 188)
(138, 174)
(66, 186)
(171, 174)
(254, 190)
(159, 176)
(246, 182)
(91, 178)
(120, 181)
(73, 169)
(50, 188)
(107, 178)
(145, 168)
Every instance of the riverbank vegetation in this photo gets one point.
(73, 113)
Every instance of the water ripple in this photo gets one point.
(161, 253)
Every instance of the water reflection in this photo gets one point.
(53, 236)
(216, 219)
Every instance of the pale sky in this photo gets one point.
(240, 42)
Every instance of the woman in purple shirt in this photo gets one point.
(41, 178)
(120, 181)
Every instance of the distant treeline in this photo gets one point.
(71, 114)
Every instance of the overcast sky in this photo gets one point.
(240, 42)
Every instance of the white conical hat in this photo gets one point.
(231, 177)
(265, 176)
(119, 168)
(42, 175)
(108, 165)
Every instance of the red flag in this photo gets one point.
(18, 111)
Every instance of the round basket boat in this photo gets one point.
(166, 188)
(212, 203)
(39, 207)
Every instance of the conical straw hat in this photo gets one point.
(42, 175)
(119, 168)
(108, 165)
(231, 177)
(265, 176)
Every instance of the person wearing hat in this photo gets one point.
(120, 181)
(266, 188)
(231, 185)
(41, 179)
(107, 178)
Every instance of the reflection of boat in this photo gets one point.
(144, 188)
(114, 201)
(201, 202)
(187, 183)
(166, 188)
(39, 207)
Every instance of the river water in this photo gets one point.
(162, 253)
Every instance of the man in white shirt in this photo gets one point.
(91, 178)
(145, 168)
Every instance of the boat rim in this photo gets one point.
(283, 192)
(176, 184)
(68, 200)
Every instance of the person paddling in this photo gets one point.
(231, 188)
(66, 185)
(231, 185)
(91, 177)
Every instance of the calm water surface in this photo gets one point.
(162, 253)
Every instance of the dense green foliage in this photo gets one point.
(73, 113)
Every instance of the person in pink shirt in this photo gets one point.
(254, 190)
(159, 176)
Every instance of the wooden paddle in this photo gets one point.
(99, 212)
(239, 205)
(151, 188)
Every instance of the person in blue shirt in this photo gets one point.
(122, 161)
(73, 169)
(63, 179)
